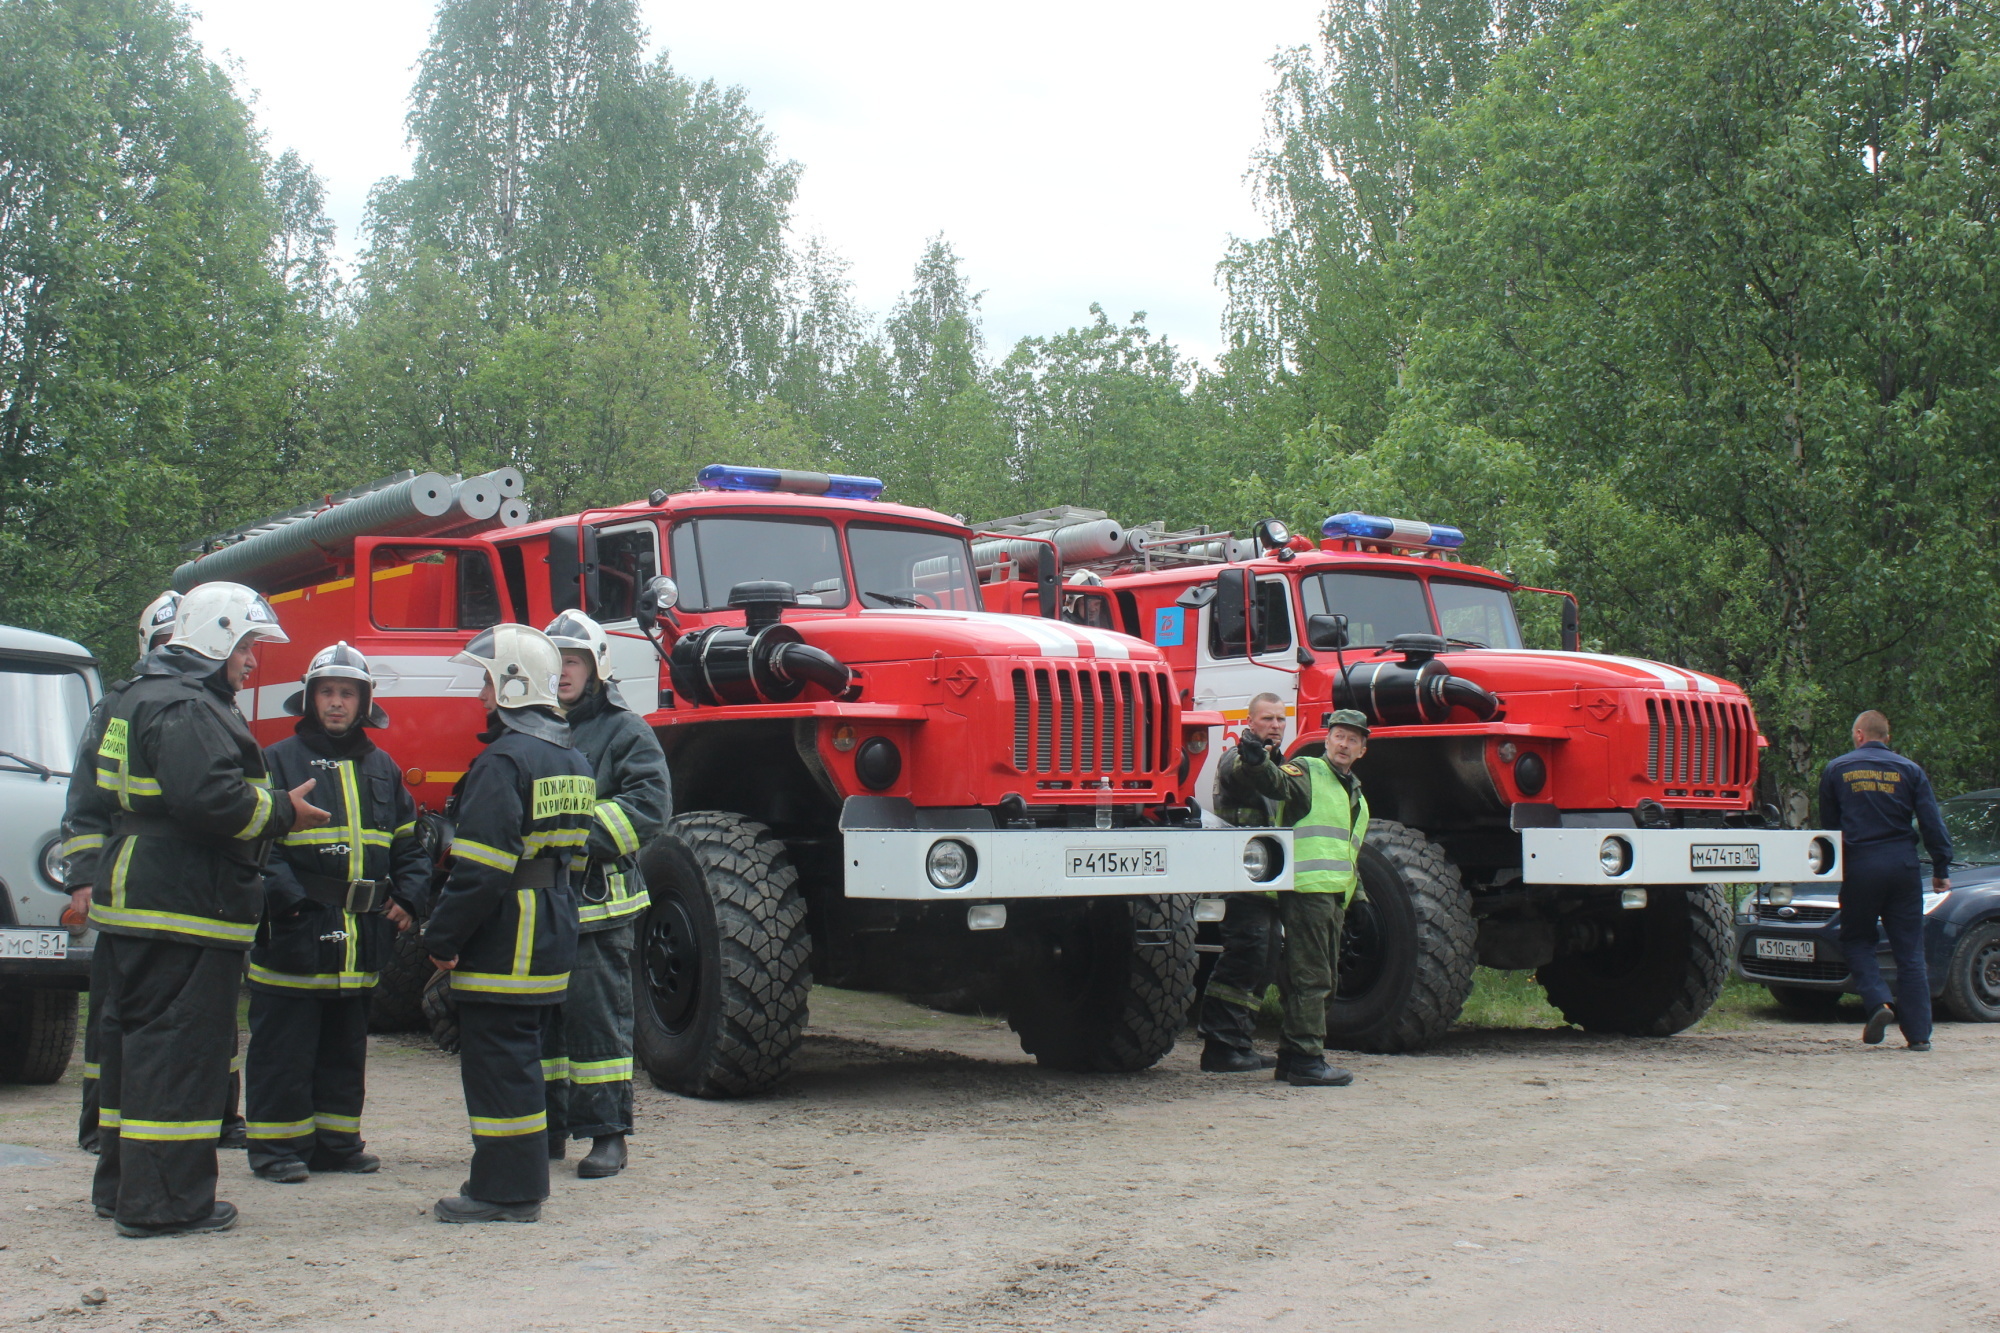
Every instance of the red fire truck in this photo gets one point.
(1572, 812)
(887, 776)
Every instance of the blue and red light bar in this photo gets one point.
(724, 477)
(1392, 531)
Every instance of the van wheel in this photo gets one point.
(1110, 988)
(1661, 975)
(723, 967)
(37, 1033)
(1972, 978)
(1406, 948)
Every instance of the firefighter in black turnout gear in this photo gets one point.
(504, 925)
(334, 899)
(86, 828)
(590, 1075)
(181, 786)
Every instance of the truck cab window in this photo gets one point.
(1088, 608)
(1475, 613)
(1275, 608)
(1378, 607)
(627, 558)
(431, 587)
(713, 555)
(911, 567)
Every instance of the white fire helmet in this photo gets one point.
(522, 664)
(156, 622)
(215, 617)
(340, 662)
(574, 629)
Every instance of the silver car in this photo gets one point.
(47, 688)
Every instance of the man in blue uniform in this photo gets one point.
(1873, 795)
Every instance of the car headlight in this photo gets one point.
(1615, 855)
(1263, 858)
(951, 864)
(53, 865)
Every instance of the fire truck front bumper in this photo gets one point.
(1613, 858)
(893, 850)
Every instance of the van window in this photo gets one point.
(43, 709)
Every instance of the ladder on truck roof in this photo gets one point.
(1090, 539)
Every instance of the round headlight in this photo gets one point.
(1819, 855)
(52, 863)
(878, 763)
(1615, 855)
(951, 864)
(1530, 773)
(1263, 858)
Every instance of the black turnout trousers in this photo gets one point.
(165, 1036)
(589, 1064)
(306, 1076)
(1244, 970)
(500, 1066)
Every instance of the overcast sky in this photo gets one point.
(1092, 150)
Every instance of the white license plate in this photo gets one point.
(1090, 863)
(34, 943)
(1797, 951)
(1723, 856)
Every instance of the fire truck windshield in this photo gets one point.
(911, 567)
(1473, 613)
(713, 555)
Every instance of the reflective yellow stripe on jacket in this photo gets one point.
(521, 980)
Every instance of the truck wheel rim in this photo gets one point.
(673, 964)
(1361, 959)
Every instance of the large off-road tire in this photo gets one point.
(397, 1002)
(1661, 976)
(1110, 989)
(1407, 948)
(37, 1033)
(724, 963)
(1972, 977)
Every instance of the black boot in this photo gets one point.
(465, 1208)
(221, 1218)
(355, 1163)
(283, 1171)
(1217, 1058)
(1314, 1072)
(1877, 1024)
(607, 1158)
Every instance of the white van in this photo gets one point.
(47, 688)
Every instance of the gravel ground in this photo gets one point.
(919, 1173)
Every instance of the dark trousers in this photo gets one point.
(1894, 897)
(165, 1033)
(500, 1066)
(307, 1076)
(1245, 968)
(587, 1062)
(1312, 923)
(87, 1114)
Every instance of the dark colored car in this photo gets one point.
(1788, 938)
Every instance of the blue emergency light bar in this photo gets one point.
(1392, 531)
(723, 477)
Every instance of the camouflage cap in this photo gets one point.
(1352, 718)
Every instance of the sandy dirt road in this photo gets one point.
(918, 1173)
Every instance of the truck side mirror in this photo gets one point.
(1572, 636)
(1239, 620)
(657, 598)
(1327, 632)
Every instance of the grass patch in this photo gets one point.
(1515, 1001)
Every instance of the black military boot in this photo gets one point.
(283, 1171)
(1217, 1058)
(1878, 1023)
(606, 1158)
(1313, 1071)
(220, 1218)
(355, 1163)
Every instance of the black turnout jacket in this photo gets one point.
(508, 912)
(305, 944)
(634, 801)
(175, 794)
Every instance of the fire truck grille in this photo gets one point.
(1699, 742)
(1074, 720)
